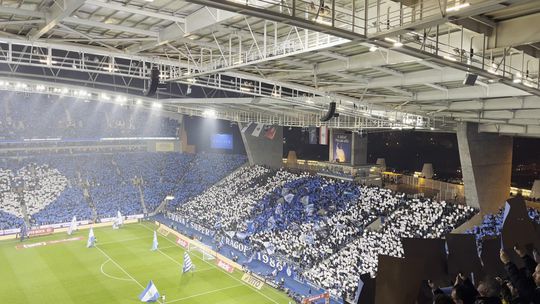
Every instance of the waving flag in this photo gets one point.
(24, 232)
(72, 226)
(154, 242)
(91, 239)
(187, 263)
(150, 293)
(358, 290)
(119, 218)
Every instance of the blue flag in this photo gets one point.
(72, 226)
(358, 290)
(24, 232)
(154, 242)
(505, 215)
(150, 293)
(91, 239)
(187, 263)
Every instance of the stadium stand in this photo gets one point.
(54, 189)
(79, 120)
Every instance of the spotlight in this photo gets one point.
(157, 105)
(457, 7)
(210, 113)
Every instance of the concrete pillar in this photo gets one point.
(262, 150)
(535, 191)
(486, 165)
(359, 149)
(381, 162)
(427, 170)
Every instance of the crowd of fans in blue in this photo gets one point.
(103, 184)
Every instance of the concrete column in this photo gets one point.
(427, 170)
(535, 191)
(359, 149)
(262, 150)
(486, 165)
(381, 162)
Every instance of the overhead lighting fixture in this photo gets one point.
(40, 87)
(209, 113)
(110, 69)
(309, 101)
(373, 48)
(396, 43)
(157, 105)
(105, 96)
(517, 78)
(322, 21)
(65, 91)
(457, 7)
(138, 101)
(451, 58)
(121, 99)
(47, 62)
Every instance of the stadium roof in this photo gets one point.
(396, 64)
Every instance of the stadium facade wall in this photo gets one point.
(486, 165)
(262, 150)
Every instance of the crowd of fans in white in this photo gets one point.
(309, 243)
(231, 201)
(335, 248)
(41, 185)
(416, 218)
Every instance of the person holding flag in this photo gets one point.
(91, 239)
(150, 293)
(73, 226)
(155, 242)
(24, 232)
(188, 265)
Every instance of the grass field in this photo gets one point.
(116, 271)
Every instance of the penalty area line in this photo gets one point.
(121, 268)
(205, 293)
(223, 270)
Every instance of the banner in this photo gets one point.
(226, 266)
(317, 297)
(251, 280)
(323, 135)
(182, 243)
(163, 146)
(341, 147)
(39, 232)
(313, 140)
(227, 240)
(258, 130)
(270, 132)
(270, 261)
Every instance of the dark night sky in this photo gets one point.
(409, 150)
(404, 151)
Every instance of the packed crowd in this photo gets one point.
(415, 218)
(516, 286)
(229, 204)
(63, 186)
(78, 120)
(492, 225)
(313, 240)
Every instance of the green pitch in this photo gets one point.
(116, 271)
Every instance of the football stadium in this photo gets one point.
(270, 151)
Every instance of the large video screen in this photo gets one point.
(222, 141)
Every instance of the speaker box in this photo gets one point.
(331, 113)
(153, 82)
(470, 79)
